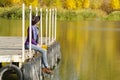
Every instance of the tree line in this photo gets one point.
(106, 5)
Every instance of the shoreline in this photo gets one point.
(15, 12)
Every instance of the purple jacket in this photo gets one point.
(34, 36)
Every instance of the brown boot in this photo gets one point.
(47, 70)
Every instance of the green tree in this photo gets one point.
(4, 3)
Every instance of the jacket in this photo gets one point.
(34, 34)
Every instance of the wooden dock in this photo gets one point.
(10, 47)
(11, 51)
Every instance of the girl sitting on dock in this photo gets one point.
(36, 46)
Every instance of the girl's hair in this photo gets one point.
(35, 19)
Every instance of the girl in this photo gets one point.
(35, 45)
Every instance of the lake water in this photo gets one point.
(90, 49)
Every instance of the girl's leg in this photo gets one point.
(44, 54)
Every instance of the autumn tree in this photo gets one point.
(106, 6)
(86, 3)
(46, 3)
(115, 4)
(70, 4)
(16, 1)
(31, 2)
(78, 4)
(57, 3)
(95, 4)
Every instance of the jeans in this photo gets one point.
(41, 50)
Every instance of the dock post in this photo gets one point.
(46, 25)
(40, 70)
(41, 26)
(52, 25)
(55, 22)
(23, 32)
(30, 30)
(49, 26)
(36, 11)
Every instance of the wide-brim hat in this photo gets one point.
(35, 19)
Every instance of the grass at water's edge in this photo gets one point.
(15, 12)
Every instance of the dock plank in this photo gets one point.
(10, 45)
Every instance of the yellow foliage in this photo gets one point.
(31, 2)
(57, 3)
(78, 3)
(86, 4)
(95, 4)
(35, 3)
(70, 4)
(15, 1)
(115, 4)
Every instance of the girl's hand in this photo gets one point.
(38, 45)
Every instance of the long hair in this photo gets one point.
(35, 19)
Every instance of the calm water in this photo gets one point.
(90, 49)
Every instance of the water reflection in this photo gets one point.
(90, 49)
(10, 27)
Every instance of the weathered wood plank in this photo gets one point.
(10, 45)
